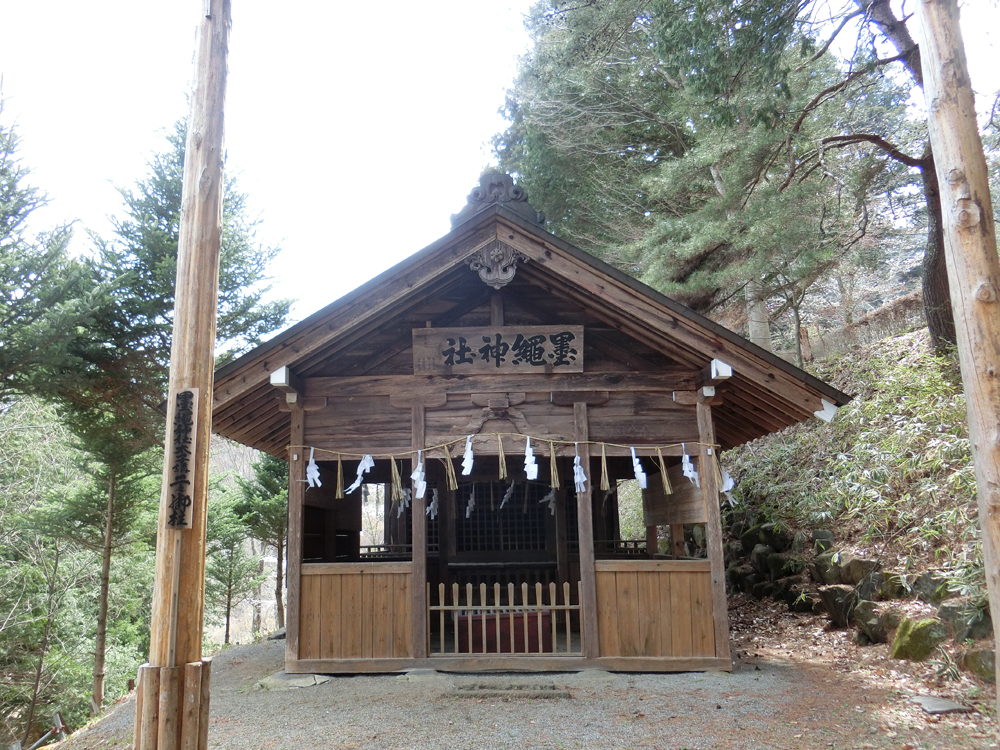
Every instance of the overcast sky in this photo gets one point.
(356, 129)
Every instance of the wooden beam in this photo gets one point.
(178, 600)
(496, 310)
(568, 398)
(296, 499)
(971, 254)
(713, 529)
(407, 385)
(585, 527)
(178, 607)
(418, 535)
(412, 400)
(494, 663)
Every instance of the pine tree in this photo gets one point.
(45, 295)
(263, 508)
(110, 399)
(231, 571)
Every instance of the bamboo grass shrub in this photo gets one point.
(892, 475)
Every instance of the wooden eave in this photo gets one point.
(765, 393)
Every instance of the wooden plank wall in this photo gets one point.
(655, 608)
(356, 611)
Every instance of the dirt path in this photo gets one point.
(796, 685)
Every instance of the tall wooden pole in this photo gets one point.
(179, 588)
(973, 264)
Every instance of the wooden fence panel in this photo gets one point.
(703, 636)
(680, 612)
(655, 608)
(309, 620)
(627, 590)
(383, 616)
(607, 615)
(331, 630)
(648, 593)
(356, 611)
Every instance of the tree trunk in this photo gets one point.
(46, 635)
(258, 617)
(797, 323)
(100, 641)
(972, 261)
(937, 297)
(937, 300)
(229, 610)
(279, 584)
(758, 326)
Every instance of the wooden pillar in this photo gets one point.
(713, 526)
(446, 533)
(177, 621)
(971, 256)
(677, 540)
(296, 501)
(652, 542)
(418, 516)
(585, 524)
(562, 549)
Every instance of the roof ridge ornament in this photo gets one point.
(496, 263)
(499, 189)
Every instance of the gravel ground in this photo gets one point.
(769, 701)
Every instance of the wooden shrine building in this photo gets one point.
(426, 384)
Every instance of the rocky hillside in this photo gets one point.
(871, 519)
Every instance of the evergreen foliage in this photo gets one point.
(45, 582)
(231, 571)
(45, 295)
(93, 339)
(263, 508)
(705, 147)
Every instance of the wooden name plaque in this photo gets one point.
(497, 350)
(182, 431)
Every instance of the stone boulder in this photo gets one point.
(892, 586)
(758, 559)
(869, 586)
(734, 551)
(839, 602)
(876, 620)
(966, 619)
(822, 540)
(750, 538)
(855, 569)
(824, 569)
(982, 662)
(762, 590)
(931, 588)
(776, 566)
(916, 639)
(775, 536)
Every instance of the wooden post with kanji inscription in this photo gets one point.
(971, 256)
(179, 587)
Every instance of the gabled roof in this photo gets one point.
(435, 286)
